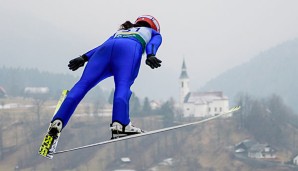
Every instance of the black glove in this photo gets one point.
(77, 62)
(153, 62)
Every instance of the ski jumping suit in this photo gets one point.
(119, 56)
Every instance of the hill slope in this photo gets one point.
(271, 72)
(208, 146)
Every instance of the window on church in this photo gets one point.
(220, 109)
(215, 109)
(182, 85)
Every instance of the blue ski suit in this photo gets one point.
(119, 56)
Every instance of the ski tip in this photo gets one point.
(233, 109)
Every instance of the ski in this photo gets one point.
(234, 109)
(50, 142)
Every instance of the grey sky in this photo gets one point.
(212, 36)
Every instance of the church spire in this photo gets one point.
(184, 74)
(184, 83)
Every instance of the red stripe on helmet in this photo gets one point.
(154, 24)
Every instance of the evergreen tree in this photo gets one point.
(167, 111)
(135, 105)
(14, 81)
(147, 107)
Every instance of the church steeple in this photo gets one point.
(184, 83)
(183, 74)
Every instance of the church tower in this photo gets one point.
(184, 83)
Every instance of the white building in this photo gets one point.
(204, 104)
(200, 104)
(261, 151)
(295, 160)
(36, 90)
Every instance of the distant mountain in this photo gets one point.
(273, 71)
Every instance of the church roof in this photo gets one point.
(204, 97)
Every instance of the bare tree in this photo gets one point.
(38, 102)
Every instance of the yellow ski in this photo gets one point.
(49, 142)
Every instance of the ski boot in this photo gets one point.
(119, 130)
(50, 141)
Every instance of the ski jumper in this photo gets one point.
(119, 56)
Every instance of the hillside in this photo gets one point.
(207, 147)
(15, 80)
(271, 72)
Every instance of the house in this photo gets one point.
(255, 150)
(244, 146)
(154, 104)
(36, 90)
(125, 160)
(295, 160)
(261, 151)
(200, 104)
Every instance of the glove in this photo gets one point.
(78, 62)
(153, 62)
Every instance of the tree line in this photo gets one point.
(15, 80)
(144, 107)
(269, 120)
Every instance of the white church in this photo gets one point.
(200, 104)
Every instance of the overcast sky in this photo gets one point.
(211, 35)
